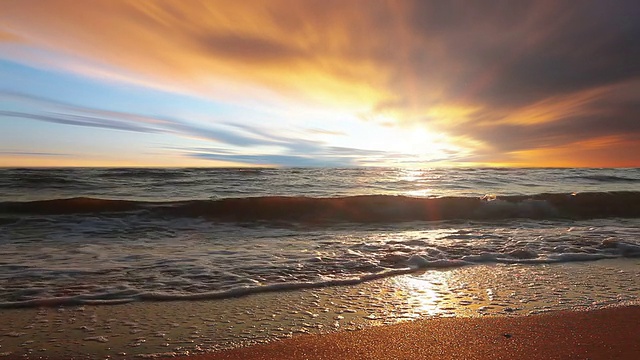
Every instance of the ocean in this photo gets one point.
(273, 252)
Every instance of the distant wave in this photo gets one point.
(606, 178)
(38, 181)
(357, 209)
(164, 172)
(137, 173)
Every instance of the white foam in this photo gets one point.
(481, 258)
(101, 339)
(566, 257)
(201, 260)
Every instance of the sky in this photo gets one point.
(305, 83)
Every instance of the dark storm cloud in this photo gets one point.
(595, 46)
(509, 53)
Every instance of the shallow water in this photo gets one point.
(113, 260)
(107, 236)
(124, 262)
(151, 329)
(202, 183)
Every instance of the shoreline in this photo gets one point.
(611, 333)
(608, 333)
(469, 296)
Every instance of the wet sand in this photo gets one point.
(612, 333)
(461, 313)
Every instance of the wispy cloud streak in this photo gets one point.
(514, 77)
(231, 144)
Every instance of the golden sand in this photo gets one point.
(459, 313)
(600, 334)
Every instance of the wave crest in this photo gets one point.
(358, 209)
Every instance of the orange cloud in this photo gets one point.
(8, 37)
(555, 108)
(167, 160)
(517, 78)
(609, 151)
(302, 49)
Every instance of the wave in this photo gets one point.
(607, 178)
(31, 181)
(142, 173)
(411, 264)
(162, 173)
(357, 209)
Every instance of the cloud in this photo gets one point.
(317, 157)
(33, 153)
(204, 43)
(513, 76)
(8, 37)
(66, 114)
(234, 142)
(511, 53)
(79, 120)
(277, 160)
(570, 120)
(249, 48)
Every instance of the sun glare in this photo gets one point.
(421, 142)
(391, 143)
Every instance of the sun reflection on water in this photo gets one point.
(411, 175)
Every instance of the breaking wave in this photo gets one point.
(405, 265)
(356, 209)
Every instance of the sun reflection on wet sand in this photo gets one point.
(421, 193)
(425, 293)
(168, 329)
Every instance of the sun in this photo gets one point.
(384, 140)
(417, 144)
(419, 141)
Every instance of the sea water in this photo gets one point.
(442, 241)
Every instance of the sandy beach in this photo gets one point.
(319, 179)
(600, 334)
(611, 333)
(572, 311)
